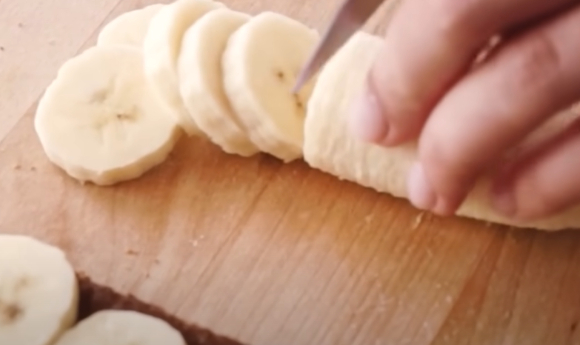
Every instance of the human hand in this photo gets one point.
(421, 87)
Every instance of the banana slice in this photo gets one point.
(100, 121)
(128, 28)
(119, 327)
(38, 292)
(200, 75)
(161, 48)
(260, 65)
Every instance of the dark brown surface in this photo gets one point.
(95, 297)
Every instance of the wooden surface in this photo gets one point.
(266, 252)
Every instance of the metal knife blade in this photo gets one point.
(350, 17)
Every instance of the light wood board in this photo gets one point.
(265, 252)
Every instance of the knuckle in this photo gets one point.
(535, 62)
(453, 18)
(536, 198)
(396, 90)
(449, 163)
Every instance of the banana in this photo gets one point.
(100, 121)
(119, 327)
(201, 87)
(128, 28)
(330, 147)
(38, 292)
(260, 65)
(161, 48)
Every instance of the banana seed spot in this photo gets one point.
(281, 75)
(22, 284)
(298, 102)
(10, 313)
(123, 116)
(99, 96)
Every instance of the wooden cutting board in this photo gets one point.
(266, 252)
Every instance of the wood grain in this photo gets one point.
(266, 252)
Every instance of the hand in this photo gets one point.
(422, 87)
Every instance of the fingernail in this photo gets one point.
(366, 118)
(503, 200)
(421, 194)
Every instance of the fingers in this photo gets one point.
(491, 109)
(543, 184)
(429, 45)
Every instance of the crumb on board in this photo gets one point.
(195, 242)
(418, 220)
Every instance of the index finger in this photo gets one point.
(431, 44)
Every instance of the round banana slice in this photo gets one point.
(38, 292)
(119, 327)
(128, 28)
(100, 121)
(200, 75)
(260, 65)
(161, 48)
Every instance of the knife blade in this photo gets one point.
(348, 19)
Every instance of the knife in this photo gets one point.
(350, 17)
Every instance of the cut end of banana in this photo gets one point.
(129, 28)
(100, 121)
(161, 48)
(38, 291)
(201, 86)
(118, 327)
(328, 145)
(260, 65)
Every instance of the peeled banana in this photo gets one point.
(329, 146)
